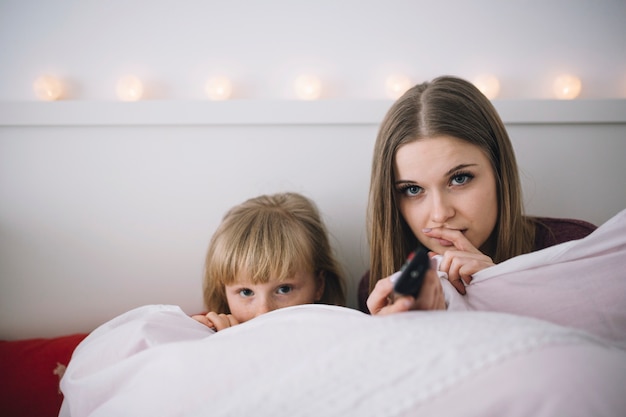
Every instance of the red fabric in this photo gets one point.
(28, 383)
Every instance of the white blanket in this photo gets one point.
(317, 360)
(330, 361)
(581, 283)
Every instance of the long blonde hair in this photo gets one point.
(271, 236)
(445, 106)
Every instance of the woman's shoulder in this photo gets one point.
(550, 231)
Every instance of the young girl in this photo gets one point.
(269, 252)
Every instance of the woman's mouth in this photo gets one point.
(444, 242)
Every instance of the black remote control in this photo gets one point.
(413, 272)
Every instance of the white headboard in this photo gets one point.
(105, 206)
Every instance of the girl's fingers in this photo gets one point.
(204, 320)
(220, 321)
(232, 321)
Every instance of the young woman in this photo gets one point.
(269, 252)
(444, 175)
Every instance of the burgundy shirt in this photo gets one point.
(548, 232)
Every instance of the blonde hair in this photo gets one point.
(270, 236)
(447, 106)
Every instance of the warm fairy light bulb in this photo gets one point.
(218, 88)
(48, 88)
(396, 85)
(129, 88)
(488, 84)
(308, 87)
(567, 87)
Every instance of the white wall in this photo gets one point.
(105, 206)
(96, 220)
(174, 45)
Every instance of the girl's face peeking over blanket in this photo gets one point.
(446, 191)
(248, 298)
(269, 252)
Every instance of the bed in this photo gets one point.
(87, 202)
(485, 356)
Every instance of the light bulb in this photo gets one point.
(48, 88)
(488, 84)
(566, 87)
(218, 88)
(129, 88)
(308, 87)
(396, 85)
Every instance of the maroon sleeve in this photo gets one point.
(551, 231)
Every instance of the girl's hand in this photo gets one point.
(461, 262)
(383, 301)
(216, 321)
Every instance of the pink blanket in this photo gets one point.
(581, 283)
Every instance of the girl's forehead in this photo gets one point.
(244, 277)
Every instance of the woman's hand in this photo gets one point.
(383, 301)
(216, 321)
(461, 262)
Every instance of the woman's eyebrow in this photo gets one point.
(446, 174)
(458, 167)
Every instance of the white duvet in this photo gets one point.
(317, 360)
(581, 283)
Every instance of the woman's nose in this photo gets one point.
(442, 209)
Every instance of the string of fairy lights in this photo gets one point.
(305, 87)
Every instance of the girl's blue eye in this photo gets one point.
(285, 289)
(246, 292)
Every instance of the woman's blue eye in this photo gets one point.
(461, 179)
(285, 289)
(412, 190)
(246, 292)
